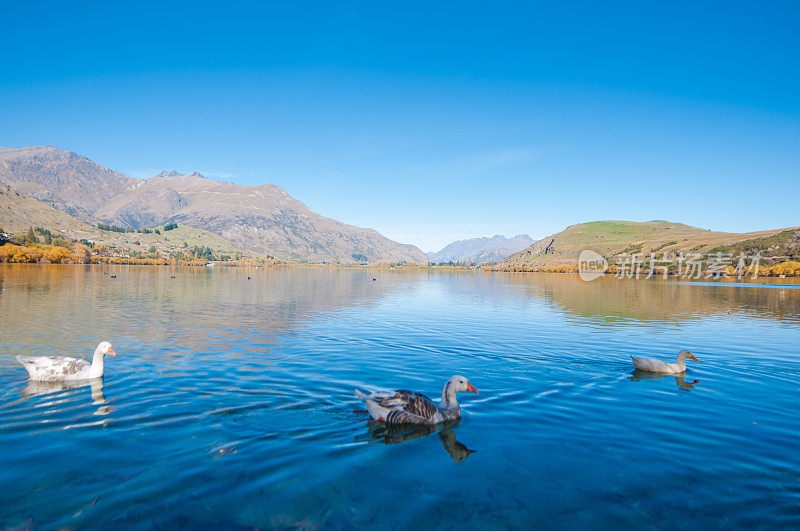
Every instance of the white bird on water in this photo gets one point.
(62, 368)
(654, 365)
(408, 407)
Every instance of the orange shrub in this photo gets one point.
(789, 268)
(8, 251)
(58, 255)
(26, 255)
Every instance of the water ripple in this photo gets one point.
(231, 403)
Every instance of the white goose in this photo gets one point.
(62, 368)
(408, 407)
(654, 365)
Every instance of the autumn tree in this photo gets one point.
(786, 268)
(8, 251)
(26, 255)
(83, 253)
(57, 255)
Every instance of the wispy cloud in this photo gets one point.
(479, 162)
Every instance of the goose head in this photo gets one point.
(684, 354)
(456, 384)
(105, 348)
(459, 384)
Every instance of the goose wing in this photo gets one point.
(651, 365)
(52, 367)
(408, 407)
(401, 407)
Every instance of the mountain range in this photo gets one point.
(481, 250)
(59, 190)
(262, 218)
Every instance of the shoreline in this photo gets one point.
(671, 277)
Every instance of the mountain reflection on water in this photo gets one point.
(612, 300)
(231, 402)
(157, 304)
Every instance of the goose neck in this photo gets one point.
(449, 396)
(97, 361)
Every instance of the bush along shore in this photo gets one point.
(39, 245)
(787, 268)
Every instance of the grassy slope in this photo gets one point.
(169, 241)
(611, 238)
(18, 212)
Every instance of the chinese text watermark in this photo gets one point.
(692, 266)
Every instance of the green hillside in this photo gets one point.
(612, 238)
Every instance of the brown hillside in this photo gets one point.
(264, 219)
(612, 238)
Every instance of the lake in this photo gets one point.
(230, 404)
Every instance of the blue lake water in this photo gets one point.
(231, 402)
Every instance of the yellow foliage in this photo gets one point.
(8, 251)
(35, 253)
(58, 255)
(26, 255)
(789, 268)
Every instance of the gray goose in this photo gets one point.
(654, 365)
(408, 407)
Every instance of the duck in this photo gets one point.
(63, 369)
(654, 365)
(408, 407)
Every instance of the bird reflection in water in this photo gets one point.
(397, 433)
(37, 388)
(680, 378)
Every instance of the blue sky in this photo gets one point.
(430, 123)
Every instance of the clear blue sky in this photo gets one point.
(430, 121)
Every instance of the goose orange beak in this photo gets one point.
(111, 351)
(695, 359)
(471, 389)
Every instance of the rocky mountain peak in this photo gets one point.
(262, 218)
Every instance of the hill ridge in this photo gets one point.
(613, 238)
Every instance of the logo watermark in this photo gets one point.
(693, 266)
(591, 265)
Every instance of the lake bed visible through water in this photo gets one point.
(231, 405)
